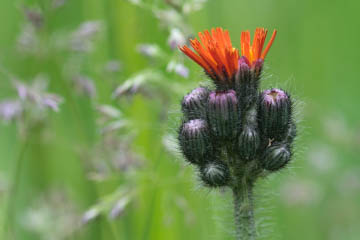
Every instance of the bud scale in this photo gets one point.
(248, 143)
(194, 140)
(223, 114)
(215, 174)
(194, 104)
(274, 113)
(276, 157)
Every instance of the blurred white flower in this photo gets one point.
(113, 205)
(176, 38)
(88, 29)
(108, 111)
(113, 66)
(58, 3)
(178, 68)
(52, 209)
(82, 38)
(10, 110)
(133, 84)
(52, 101)
(130, 86)
(300, 193)
(193, 6)
(170, 18)
(149, 50)
(322, 157)
(27, 41)
(84, 85)
(90, 215)
(135, 2)
(119, 207)
(36, 95)
(111, 119)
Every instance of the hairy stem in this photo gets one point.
(244, 211)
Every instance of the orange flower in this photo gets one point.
(215, 53)
(217, 56)
(254, 52)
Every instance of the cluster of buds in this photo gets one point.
(234, 131)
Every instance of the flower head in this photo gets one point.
(220, 59)
(255, 51)
(215, 54)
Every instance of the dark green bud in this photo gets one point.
(276, 157)
(248, 143)
(215, 174)
(194, 104)
(194, 140)
(274, 114)
(247, 82)
(223, 114)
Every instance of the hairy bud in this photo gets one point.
(246, 83)
(223, 114)
(276, 157)
(194, 104)
(194, 140)
(215, 174)
(248, 143)
(257, 68)
(243, 74)
(274, 113)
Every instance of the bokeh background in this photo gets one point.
(90, 94)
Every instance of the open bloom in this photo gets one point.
(219, 58)
(255, 51)
(215, 53)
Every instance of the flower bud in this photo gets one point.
(243, 72)
(223, 114)
(246, 84)
(274, 113)
(215, 174)
(276, 157)
(194, 140)
(257, 68)
(194, 104)
(248, 143)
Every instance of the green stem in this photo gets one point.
(10, 211)
(244, 211)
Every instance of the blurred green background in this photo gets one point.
(105, 165)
